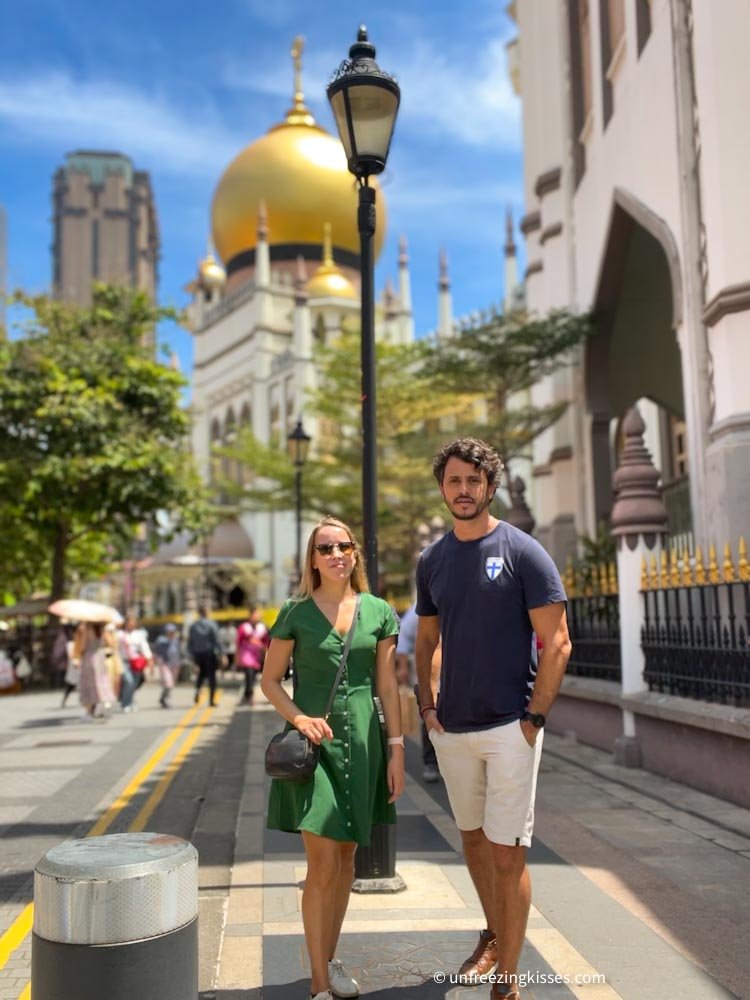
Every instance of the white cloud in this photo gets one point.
(57, 111)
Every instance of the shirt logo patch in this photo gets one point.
(494, 566)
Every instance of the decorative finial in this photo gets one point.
(403, 252)
(519, 514)
(639, 508)
(327, 245)
(262, 222)
(510, 243)
(299, 113)
(444, 282)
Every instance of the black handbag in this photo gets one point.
(292, 756)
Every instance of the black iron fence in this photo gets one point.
(697, 627)
(594, 621)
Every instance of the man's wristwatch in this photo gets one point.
(535, 718)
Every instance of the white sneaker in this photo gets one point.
(325, 995)
(343, 984)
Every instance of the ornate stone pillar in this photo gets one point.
(639, 522)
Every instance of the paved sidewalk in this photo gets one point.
(636, 879)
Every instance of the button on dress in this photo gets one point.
(348, 793)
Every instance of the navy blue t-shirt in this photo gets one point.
(482, 591)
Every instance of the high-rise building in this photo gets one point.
(105, 226)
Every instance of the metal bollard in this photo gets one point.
(116, 916)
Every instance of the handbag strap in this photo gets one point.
(344, 655)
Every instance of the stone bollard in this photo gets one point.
(116, 917)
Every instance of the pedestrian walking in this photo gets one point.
(94, 688)
(168, 659)
(483, 589)
(135, 654)
(407, 641)
(252, 643)
(354, 786)
(228, 640)
(204, 648)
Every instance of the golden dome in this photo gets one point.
(299, 170)
(212, 274)
(328, 282)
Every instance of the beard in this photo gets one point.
(469, 515)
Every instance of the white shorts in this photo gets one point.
(490, 776)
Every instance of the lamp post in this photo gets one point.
(364, 101)
(298, 444)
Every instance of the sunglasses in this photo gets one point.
(326, 548)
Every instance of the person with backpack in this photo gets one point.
(204, 648)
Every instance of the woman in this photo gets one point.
(252, 643)
(135, 654)
(353, 787)
(95, 687)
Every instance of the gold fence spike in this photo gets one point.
(613, 584)
(570, 577)
(654, 575)
(664, 575)
(728, 567)
(743, 566)
(687, 573)
(644, 573)
(700, 569)
(674, 569)
(713, 566)
(603, 588)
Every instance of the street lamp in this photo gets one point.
(364, 101)
(298, 444)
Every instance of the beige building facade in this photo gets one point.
(635, 148)
(105, 226)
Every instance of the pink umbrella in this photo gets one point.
(85, 611)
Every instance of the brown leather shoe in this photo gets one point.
(495, 993)
(482, 960)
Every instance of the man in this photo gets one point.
(204, 648)
(407, 640)
(485, 588)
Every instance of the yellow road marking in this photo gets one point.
(15, 935)
(123, 800)
(140, 821)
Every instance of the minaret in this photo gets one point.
(390, 312)
(511, 263)
(262, 254)
(302, 336)
(406, 318)
(445, 302)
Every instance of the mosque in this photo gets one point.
(281, 276)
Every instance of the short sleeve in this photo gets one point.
(540, 578)
(389, 622)
(425, 605)
(283, 627)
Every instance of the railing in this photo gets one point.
(697, 626)
(594, 621)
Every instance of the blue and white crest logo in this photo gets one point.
(494, 566)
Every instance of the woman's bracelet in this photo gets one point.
(395, 741)
(426, 708)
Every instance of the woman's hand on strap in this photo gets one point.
(314, 729)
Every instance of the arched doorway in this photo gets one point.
(635, 356)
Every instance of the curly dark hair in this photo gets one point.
(477, 453)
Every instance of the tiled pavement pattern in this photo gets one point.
(634, 877)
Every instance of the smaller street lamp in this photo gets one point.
(298, 445)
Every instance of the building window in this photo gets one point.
(579, 31)
(612, 36)
(642, 22)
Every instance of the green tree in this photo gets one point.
(407, 493)
(94, 440)
(497, 361)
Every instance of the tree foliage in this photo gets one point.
(94, 439)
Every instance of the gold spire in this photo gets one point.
(328, 281)
(212, 274)
(299, 113)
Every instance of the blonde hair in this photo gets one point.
(311, 577)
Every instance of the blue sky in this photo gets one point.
(181, 93)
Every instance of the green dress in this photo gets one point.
(348, 793)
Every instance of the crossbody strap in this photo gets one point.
(344, 655)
